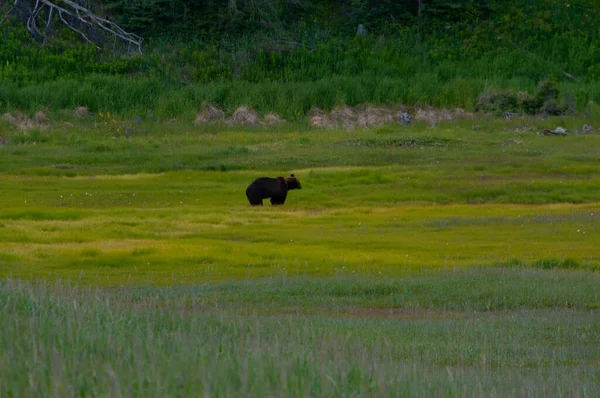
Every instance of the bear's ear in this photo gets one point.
(291, 175)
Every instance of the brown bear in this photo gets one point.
(274, 188)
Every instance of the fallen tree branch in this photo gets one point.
(8, 12)
(570, 76)
(91, 27)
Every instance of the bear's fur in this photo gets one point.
(274, 188)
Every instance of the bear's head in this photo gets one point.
(293, 182)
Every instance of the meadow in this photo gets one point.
(455, 260)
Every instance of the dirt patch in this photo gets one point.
(318, 118)
(209, 113)
(41, 118)
(21, 122)
(374, 116)
(434, 116)
(80, 112)
(344, 117)
(348, 118)
(460, 113)
(3, 141)
(272, 119)
(244, 116)
(13, 120)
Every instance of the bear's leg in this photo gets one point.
(278, 200)
(254, 201)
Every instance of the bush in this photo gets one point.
(544, 100)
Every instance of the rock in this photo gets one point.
(361, 30)
(41, 118)
(345, 117)
(243, 116)
(560, 130)
(80, 112)
(510, 115)
(318, 118)
(587, 128)
(404, 118)
(209, 113)
(372, 116)
(272, 119)
(556, 131)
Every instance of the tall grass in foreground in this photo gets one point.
(62, 340)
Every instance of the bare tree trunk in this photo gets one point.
(39, 15)
(420, 19)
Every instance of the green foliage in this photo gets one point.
(24, 63)
(545, 99)
(287, 57)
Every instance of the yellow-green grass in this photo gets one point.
(188, 227)
(111, 201)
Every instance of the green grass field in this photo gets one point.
(458, 260)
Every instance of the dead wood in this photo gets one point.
(39, 15)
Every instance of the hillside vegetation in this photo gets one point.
(287, 57)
